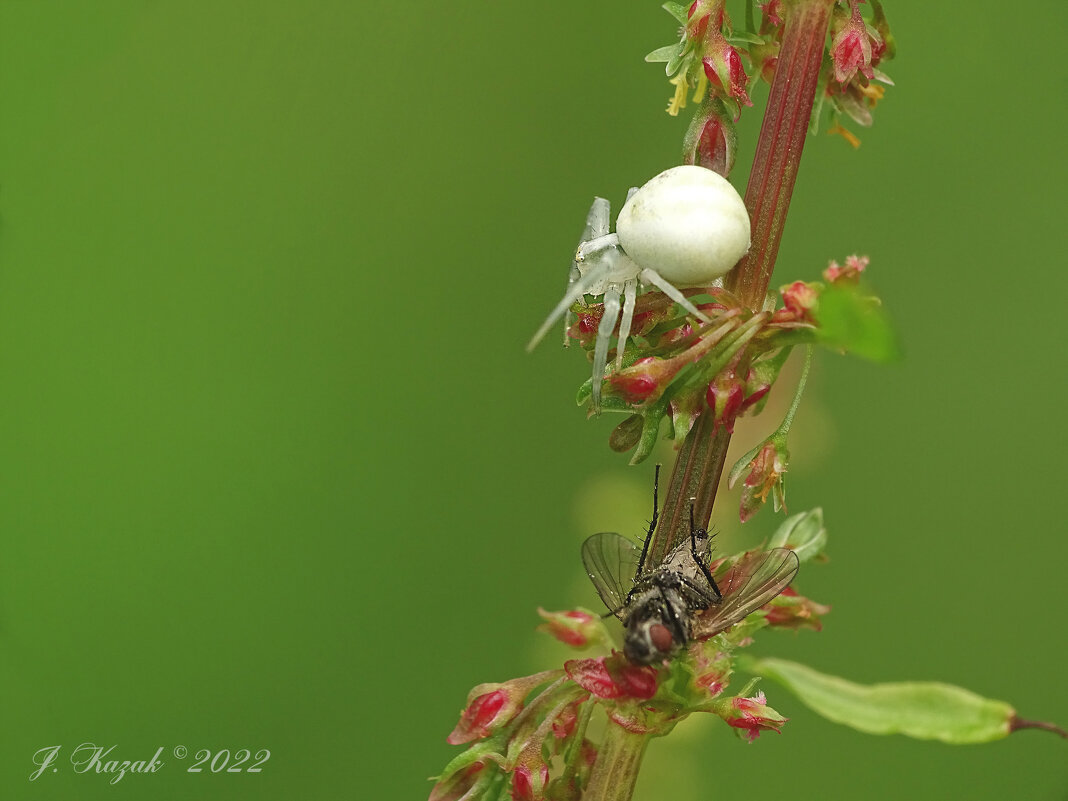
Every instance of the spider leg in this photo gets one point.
(652, 277)
(630, 294)
(569, 316)
(598, 219)
(596, 245)
(575, 290)
(604, 335)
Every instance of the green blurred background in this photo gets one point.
(275, 471)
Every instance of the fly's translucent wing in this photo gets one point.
(611, 561)
(749, 584)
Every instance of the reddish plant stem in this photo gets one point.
(703, 453)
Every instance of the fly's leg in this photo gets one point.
(652, 523)
(699, 598)
(700, 562)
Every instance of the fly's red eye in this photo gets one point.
(660, 636)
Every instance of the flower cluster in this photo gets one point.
(714, 64)
(676, 367)
(858, 47)
(708, 65)
(529, 737)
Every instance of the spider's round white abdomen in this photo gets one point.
(688, 224)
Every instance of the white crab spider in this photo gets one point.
(686, 227)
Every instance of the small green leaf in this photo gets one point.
(665, 53)
(925, 710)
(804, 534)
(626, 435)
(678, 11)
(647, 439)
(849, 319)
(742, 465)
(741, 37)
(584, 392)
(678, 61)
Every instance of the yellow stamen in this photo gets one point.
(873, 93)
(702, 87)
(682, 86)
(848, 135)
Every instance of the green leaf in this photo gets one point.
(650, 431)
(678, 11)
(665, 53)
(849, 319)
(626, 435)
(925, 710)
(804, 534)
(743, 464)
(743, 38)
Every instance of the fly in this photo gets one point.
(661, 607)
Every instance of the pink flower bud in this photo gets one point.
(792, 611)
(701, 14)
(799, 298)
(643, 379)
(752, 715)
(724, 70)
(851, 48)
(725, 397)
(528, 784)
(711, 141)
(854, 266)
(765, 477)
(484, 714)
(466, 783)
(712, 668)
(584, 329)
(491, 706)
(572, 627)
(772, 12)
(613, 677)
(565, 722)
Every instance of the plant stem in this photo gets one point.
(788, 421)
(771, 183)
(618, 759)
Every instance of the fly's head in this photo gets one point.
(652, 633)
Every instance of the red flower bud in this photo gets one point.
(799, 298)
(725, 397)
(792, 611)
(572, 627)
(854, 266)
(851, 48)
(491, 706)
(752, 715)
(765, 477)
(711, 141)
(529, 784)
(584, 329)
(483, 714)
(772, 12)
(612, 677)
(723, 68)
(643, 379)
(466, 783)
(712, 668)
(564, 723)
